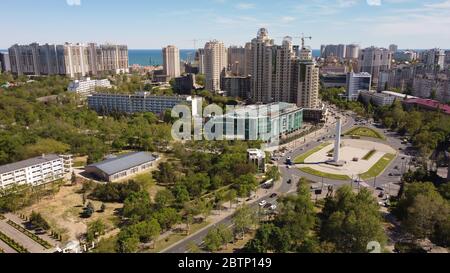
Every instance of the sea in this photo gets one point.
(147, 57)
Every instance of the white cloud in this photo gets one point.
(374, 2)
(245, 6)
(287, 19)
(73, 2)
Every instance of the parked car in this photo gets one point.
(268, 205)
(39, 231)
(262, 203)
(289, 181)
(273, 207)
(273, 195)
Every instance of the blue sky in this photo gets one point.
(154, 23)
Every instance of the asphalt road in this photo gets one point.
(293, 174)
(182, 246)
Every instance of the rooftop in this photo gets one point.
(123, 162)
(430, 104)
(28, 163)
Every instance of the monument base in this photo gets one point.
(340, 163)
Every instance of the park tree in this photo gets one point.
(350, 221)
(167, 217)
(138, 206)
(127, 241)
(37, 220)
(95, 229)
(244, 219)
(147, 230)
(164, 198)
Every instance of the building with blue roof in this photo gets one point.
(119, 167)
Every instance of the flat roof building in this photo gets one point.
(266, 122)
(135, 103)
(378, 99)
(35, 171)
(357, 82)
(123, 166)
(87, 86)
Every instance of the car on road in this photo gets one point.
(262, 203)
(273, 195)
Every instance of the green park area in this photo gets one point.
(379, 167)
(301, 159)
(365, 132)
(324, 175)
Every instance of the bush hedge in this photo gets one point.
(13, 244)
(32, 236)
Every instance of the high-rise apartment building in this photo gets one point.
(236, 61)
(338, 51)
(262, 67)
(434, 59)
(352, 51)
(200, 59)
(393, 48)
(283, 78)
(74, 60)
(215, 64)
(5, 65)
(307, 72)
(171, 61)
(373, 60)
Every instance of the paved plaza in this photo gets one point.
(352, 153)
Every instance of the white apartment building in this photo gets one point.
(215, 64)
(87, 86)
(73, 60)
(171, 61)
(138, 102)
(35, 171)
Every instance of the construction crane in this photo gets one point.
(298, 37)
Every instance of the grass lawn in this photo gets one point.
(365, 132)
(325, 175)
(301, 159)
(175, 237)
(379, 167)
(369, 154)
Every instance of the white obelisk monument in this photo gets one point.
(337, 143)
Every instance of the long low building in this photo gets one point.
(87, 86)
(120, 167)
(35, 171)
(427, 105)
(378, 99)
(135, 103)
